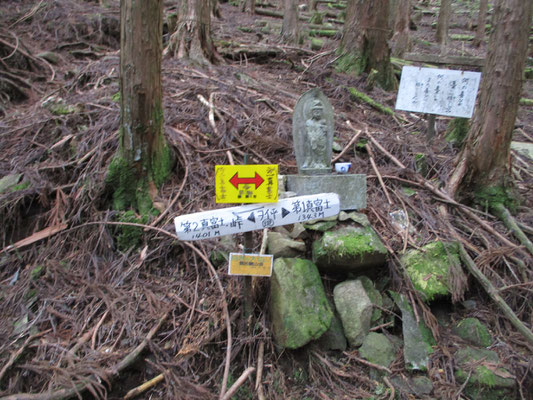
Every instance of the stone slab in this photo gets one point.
(351, 188)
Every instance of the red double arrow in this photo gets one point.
(236, 181)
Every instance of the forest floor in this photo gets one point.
(79, 309)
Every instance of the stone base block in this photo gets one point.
(351, 188)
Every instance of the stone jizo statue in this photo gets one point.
(313, 133)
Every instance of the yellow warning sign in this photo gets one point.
(246, 183)
(250, 264)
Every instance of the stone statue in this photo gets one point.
(313, 133)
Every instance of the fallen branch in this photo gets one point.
(238, 383)
(352, 141)
(493, 294)
(45, 233)
(259, 376)
(367, 363)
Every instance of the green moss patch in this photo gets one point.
(429, 268)
(130, 236)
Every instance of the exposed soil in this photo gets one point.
(74, 303)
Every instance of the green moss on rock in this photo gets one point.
(300, 310)
(473, 331)
(378, 349)
(457, 131)
(349, 249)
(429, 268)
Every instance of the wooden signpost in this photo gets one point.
(250, 217)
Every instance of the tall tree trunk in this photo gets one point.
(481, 19)
(364, 44)
(401, 41)
(144, 159)
(484, 161)
(289, 29)
(192, 39)
(443, 22)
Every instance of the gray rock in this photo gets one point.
(333, 338)
(359, 218)
(9, 181)
(375, 297)
(378, 349)
(300, 310)
(473, 331)
(355, 310)
(420, 386)
(417, 338)
(280, 245)
(349, 249)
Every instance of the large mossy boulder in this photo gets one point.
(417, 337)
(430, 268)
(487, 380)
(355, 310)
(300, 309)
(349, 249)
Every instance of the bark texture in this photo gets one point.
(143, 161)
(289, 28)
(192, 39)
(364, 44)
(443, 21)
(481, 19)
(484, 162)
(401, 42)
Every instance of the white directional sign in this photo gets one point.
(232, 220)
(438, 91)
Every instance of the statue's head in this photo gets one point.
(316, 109)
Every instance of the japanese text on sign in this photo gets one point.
(246, 183)
(232, 220)
(438, 91)
(250, 264)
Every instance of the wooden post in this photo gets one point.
(247, 296)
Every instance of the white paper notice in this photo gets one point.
(438, 91)
(232, 220)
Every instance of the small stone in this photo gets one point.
(355, 310)
(374, 295)
(356, 217)
(321, 226)
(473, 331)
(333, 338)
(9, 181)
(300, 309)
(280, 245)
(377, 349)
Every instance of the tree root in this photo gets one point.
(503, 213)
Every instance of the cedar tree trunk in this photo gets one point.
(192, 39)
(289, 29)
(481, 19)
(144, 160)
(364, 44)
(484, 162)
(443, 21)
(401, 42)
